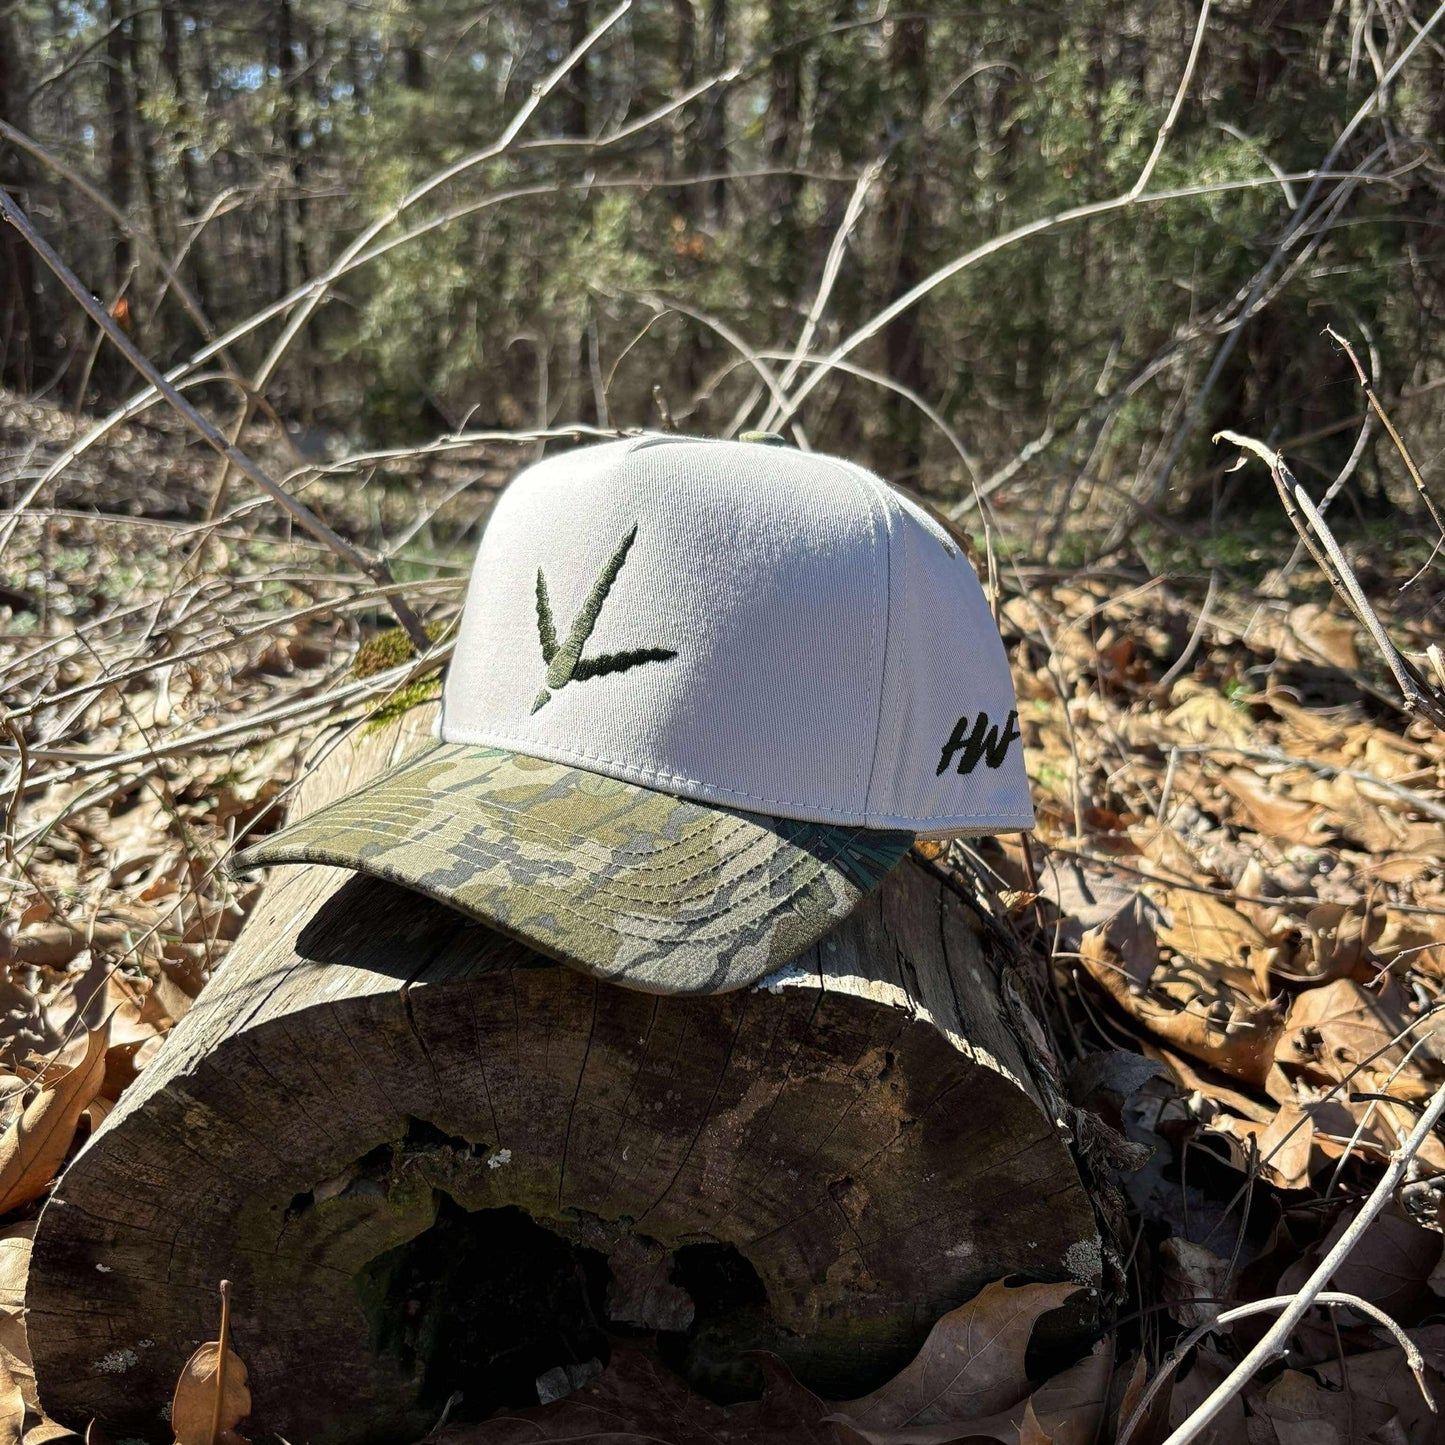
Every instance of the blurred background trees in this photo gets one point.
(246, 144)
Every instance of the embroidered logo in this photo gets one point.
(983, 744)
(565, 663)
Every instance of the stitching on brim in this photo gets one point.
(680, 853)
(571, 908)
(734, 824)
(540, 833)
(453, 831)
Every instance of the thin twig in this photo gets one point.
(1331, 1298)
(1162, 139)
(1195, 637)
(1293, 230)
(375, 569)
(1417, 693)
(1421, 804)
(1042, 226)
(322, 287)
(1389, 426)
(1298, 1305)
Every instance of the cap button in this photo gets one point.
(767, 438)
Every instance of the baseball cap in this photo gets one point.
(704, 696)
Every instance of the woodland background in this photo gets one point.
(248, 142)
(1025, 258)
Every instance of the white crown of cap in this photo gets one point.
(829, 652)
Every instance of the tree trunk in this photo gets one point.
(432, 1160)
(905, 216)
(712, 124)
(577, 112)
(160, 226)
(781, 126)
(24, 335)
(184, 139)
(290, 210)
(120, 166)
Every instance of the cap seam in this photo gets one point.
(890, 513)
(545, 752)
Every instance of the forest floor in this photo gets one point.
(1235, 894)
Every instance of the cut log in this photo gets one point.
(432, 1162)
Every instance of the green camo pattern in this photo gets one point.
(649, 890)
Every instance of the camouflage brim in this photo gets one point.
(647, 890)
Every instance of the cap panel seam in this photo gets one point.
(891, 513)
(869, 494)
(706, 791)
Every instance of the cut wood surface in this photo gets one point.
(432, 1160)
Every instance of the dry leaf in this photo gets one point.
(1066, 1410)
(1304, 1412)
(1201, 926)
(44, 1432)
(1213, 1086)
(1193, 1007)
(1285, 1148)
(33, 1148)
(1389, 1267)
(1269, 810)
(193, 1407)
(1029, 1430)
(1151, 1428)
(971, 1365)
(1325, 634)
(1192, 1275)
(12, 1408)
(1194, 1386)
(1382, 1380)
(1334, 1029)
(1205, 715)
(14, 1267)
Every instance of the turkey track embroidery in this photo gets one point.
(565, 663)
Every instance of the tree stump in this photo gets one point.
(431, 1160)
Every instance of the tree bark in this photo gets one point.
(120, 164)
(712, 124)
(172, 59)
(290, 210)
(23, 331)
(432, 1160)
(577, 87)
(905, 203)
(781, 127)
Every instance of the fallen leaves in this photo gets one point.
(971, 1365)
(34, 1146)
(212, 1395)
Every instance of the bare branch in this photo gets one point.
(302, 515)
(1389, 426)
(1419, 696)
(1288, 239)
(1162, 139)
(1276, 1338)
